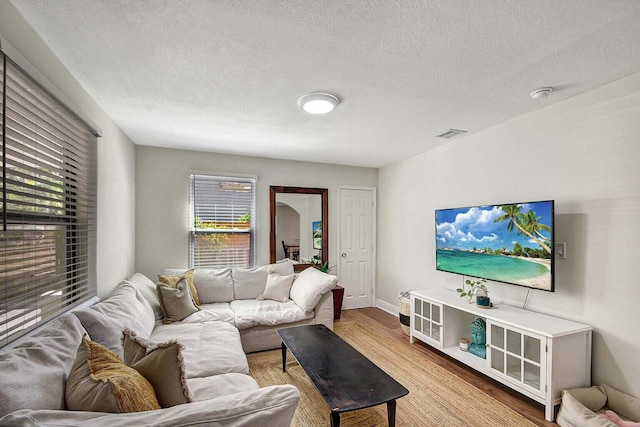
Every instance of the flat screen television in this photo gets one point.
(510, 243)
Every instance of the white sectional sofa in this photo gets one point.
(232, 295)
(212, 363)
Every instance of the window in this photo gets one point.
(48, 207)
(222, 221)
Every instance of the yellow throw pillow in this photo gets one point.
(173, 282)
(100, 382)
(161, 364)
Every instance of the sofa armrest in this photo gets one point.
(272, 406)
(324, 310)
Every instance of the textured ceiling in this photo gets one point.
(225, 76)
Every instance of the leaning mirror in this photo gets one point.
(299, 225)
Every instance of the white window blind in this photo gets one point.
(48, 202)
(222, 221)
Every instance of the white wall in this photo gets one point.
(116, 173)
(287, 228)
(584, 153)
(162, 198)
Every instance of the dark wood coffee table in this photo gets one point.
(345, 378)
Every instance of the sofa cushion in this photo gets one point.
(309, 287)
(214, 285)
(210, 348)
(249, 283)
(129, 309)
(147, 288)
(277, 287)
(176, 302)
(99, 381)
(219, 311)
(249, 313)
(43, 362)
(102, 329)
(162, 365)
(174, 279)
(221, 385)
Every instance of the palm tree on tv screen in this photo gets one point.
(526, 223)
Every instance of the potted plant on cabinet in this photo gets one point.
(476, 288)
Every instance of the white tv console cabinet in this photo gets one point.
(535, 354)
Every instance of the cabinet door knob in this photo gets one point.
(343, 255)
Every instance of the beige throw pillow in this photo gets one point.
(309, 287)
(176, 302)
(277, 287)
(161, 364)
(100, 382)
(173, 282)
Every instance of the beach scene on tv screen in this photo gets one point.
(506, 243)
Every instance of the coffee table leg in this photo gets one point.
(391, 413)
(335, 419)
(284, 358)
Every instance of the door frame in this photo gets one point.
(374, 230)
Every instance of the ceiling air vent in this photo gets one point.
(451, 133)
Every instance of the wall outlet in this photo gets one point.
(560, 250)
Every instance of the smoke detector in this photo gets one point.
(542, 92)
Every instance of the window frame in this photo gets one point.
(232, 225)
(48, 193)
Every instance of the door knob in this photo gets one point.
(344, 255)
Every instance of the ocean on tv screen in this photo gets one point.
(506, 243)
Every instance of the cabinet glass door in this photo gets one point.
(427, 319)
(517, 355)
(417, 315)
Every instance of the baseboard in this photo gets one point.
(389, 308)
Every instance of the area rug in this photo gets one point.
(436, 396)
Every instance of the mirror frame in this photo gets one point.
(324, 194)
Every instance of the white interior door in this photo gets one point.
(357, 246)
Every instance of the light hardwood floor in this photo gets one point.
(384, 321)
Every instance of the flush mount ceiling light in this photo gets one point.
(318, 102)
(542, 92)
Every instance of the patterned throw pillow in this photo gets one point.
(161, 364)
(100, 382)
(176, 302)
(173, 282)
